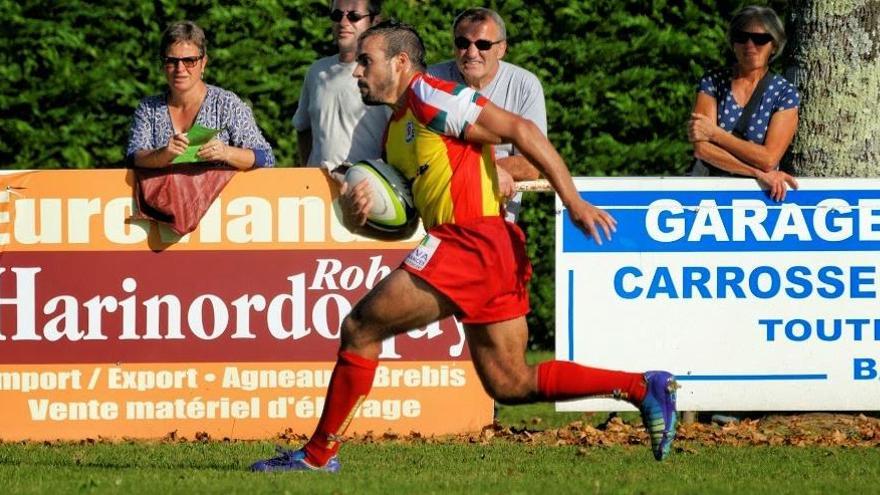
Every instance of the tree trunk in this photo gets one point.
(836, 56)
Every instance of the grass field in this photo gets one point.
(518, 459)
(500, 467)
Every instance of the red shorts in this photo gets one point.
(482, 266)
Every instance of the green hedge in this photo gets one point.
(619, 77)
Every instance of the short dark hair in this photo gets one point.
(480, 14)
(767, 17)
(183, 31)
(399, 37)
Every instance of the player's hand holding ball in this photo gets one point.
(376, 196)
(356, 201)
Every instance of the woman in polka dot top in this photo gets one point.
(755, 34)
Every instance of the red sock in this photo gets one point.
(563, 380)
(351, 382)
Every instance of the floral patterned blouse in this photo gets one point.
(151, 126)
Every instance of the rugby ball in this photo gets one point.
(393, 214)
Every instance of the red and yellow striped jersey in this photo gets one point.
(453, 180)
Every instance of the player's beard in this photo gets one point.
(375, 94)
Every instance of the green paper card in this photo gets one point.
(197, 135)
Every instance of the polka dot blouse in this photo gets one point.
(779, 95)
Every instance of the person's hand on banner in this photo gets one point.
(590, 219)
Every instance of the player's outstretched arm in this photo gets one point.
(527, 137)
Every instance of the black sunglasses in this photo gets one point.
(188, 62)
(743, 37)
(463, 43)
(352, 16)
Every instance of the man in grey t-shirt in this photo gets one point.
(332, 123)
(480, 42)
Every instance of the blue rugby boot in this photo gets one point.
(293, 460)
(658, 411)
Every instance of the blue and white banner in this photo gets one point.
(753, 304)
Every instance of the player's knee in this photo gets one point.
(348, 331)
(355, 333)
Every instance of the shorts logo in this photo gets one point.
(410, 131)
(420, 256)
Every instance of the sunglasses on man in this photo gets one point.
(188, 62)
(463, 43)
(743, 37)
(352, 16)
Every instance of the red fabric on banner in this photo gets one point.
(179, 195)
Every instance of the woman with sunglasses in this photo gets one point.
(160, 123)
(756, 36)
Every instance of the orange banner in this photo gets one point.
(90, 210)
(235, 400)
(112, 327)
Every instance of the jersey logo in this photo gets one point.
(420, 256)
(410, 131)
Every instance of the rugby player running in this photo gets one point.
(472, 263)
